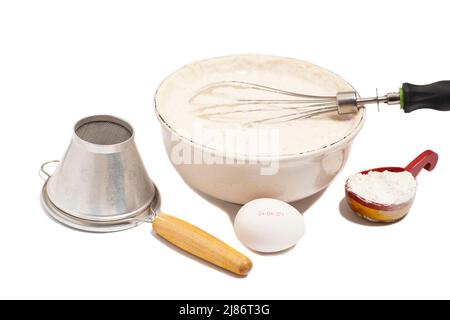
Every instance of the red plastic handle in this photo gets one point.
(427, 159)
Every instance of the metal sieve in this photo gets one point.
(101, 185)
(103, 132)
(101, 178)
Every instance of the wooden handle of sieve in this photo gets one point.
(201, 244)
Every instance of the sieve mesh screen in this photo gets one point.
(103, 132)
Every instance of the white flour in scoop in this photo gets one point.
(384, 187)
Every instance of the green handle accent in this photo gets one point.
(402, 98)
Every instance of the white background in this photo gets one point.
(63, 60)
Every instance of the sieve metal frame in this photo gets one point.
(79, 216)
(88, 218)
(146, 215)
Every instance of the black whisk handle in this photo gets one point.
(431, 96)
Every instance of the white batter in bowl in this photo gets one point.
(231, 160)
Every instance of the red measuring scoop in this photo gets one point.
(378, 212)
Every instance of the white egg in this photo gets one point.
(269, 225)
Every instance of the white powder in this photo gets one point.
(384, 187)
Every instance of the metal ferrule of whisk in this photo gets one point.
(349, 102)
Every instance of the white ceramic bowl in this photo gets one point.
(299, 175)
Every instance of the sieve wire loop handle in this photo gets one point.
(44, 165)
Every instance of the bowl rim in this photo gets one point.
(344, 141)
